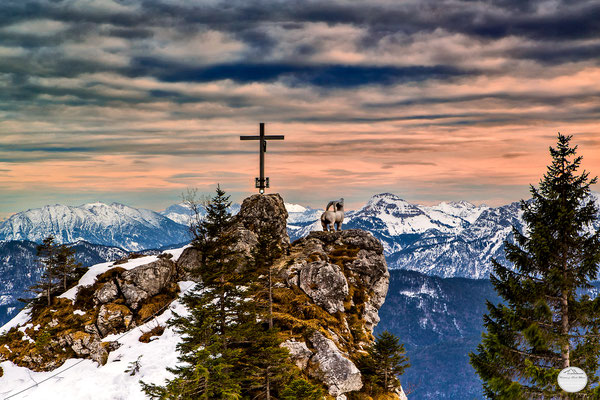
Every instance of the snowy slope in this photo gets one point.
(113, 225)
(83, 379)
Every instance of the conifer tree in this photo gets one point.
(66, 267)
(211, 332)
(384, 362)
(546, 322)
(268, 365)
(301, 389)
(46, 255)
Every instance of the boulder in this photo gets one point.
(90, 346)
(146, 281)
(325, 284)
(188, 264)
(258, 212)
(364, 263)
(333, 368)
(299, 353)
(264, 211)
(107, 293)
(113, 318)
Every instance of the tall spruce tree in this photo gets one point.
(546, 322)
(210, 333)
(268, 365)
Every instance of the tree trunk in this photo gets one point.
(268, 385)
(223, 311)
(565, 328)
(385, 380)
(270, 298)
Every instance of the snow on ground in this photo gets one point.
(82, 379)
(18, 320)
(90, 276)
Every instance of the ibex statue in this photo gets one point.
(329, 218)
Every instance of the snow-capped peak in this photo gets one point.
(390, 204)
(114, 225)
(295, 208)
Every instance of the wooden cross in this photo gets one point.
(262, 183)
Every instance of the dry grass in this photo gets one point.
(146, 337)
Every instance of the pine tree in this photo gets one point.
(268, 365)
(47, 257)
(301, 389)
(265, 364)
(546, 322)
(66, 267)
(268, 249)
(384, 362)
(211, 332)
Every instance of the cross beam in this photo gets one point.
(262, 183)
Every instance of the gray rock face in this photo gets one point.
(325, 284)
(188, 264)
(147, 280)
(113, 318)
(107, 293)
(299, 353)
(90, 346)
(153, 277)
(257, 212)
(138, 284)
(330, 366)
(314, 270)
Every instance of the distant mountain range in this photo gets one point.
(451, 239)
(113, 224)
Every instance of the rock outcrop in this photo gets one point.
(325, 284)
(118, 300)
(332, 367)
(343, 275)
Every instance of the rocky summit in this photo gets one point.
(328, 290)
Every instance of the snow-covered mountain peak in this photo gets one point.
(114, 225)
(390, 204)
(295, 208)
(460, 209)
(95, 204)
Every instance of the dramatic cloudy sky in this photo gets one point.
(135, 101)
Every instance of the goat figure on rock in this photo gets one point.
(335, 217)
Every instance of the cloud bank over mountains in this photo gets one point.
(422, 97)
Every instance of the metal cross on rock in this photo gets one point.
(262, 183)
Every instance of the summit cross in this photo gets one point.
(262, 183)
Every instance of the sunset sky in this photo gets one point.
(135, 101)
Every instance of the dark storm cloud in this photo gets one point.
(514, 99)
(553, 53)
(336, 76)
